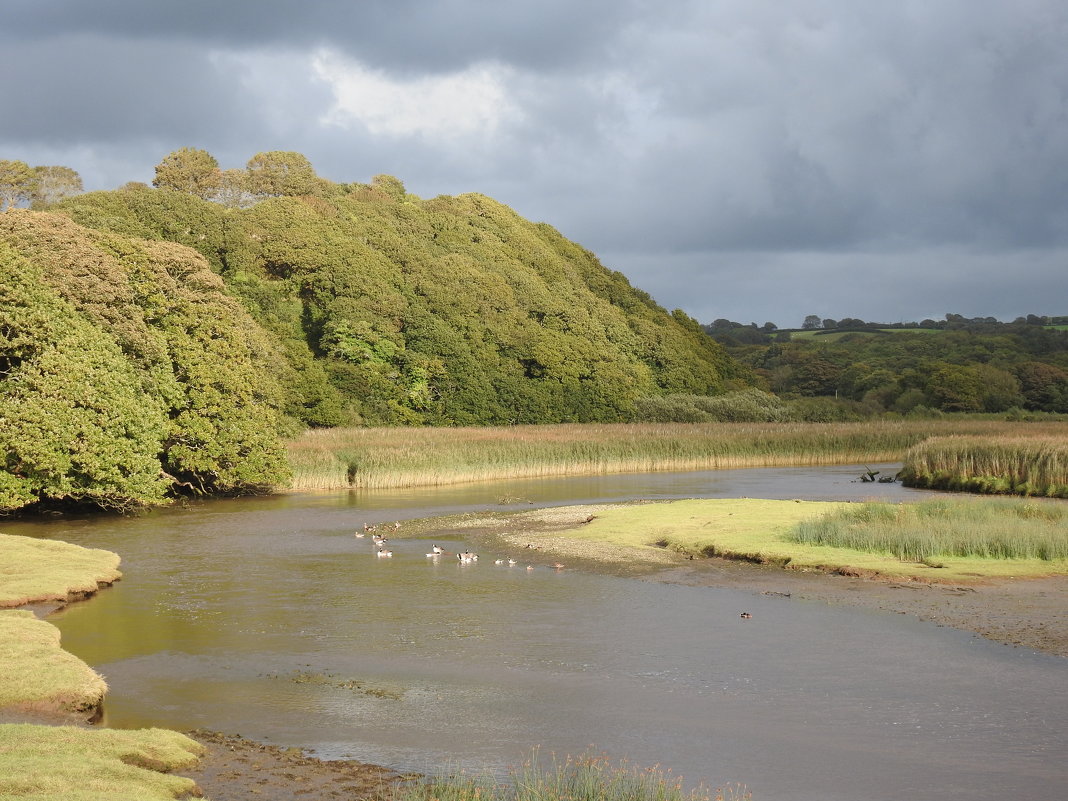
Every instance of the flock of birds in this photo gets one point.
(436, 553)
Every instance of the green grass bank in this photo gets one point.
(65, 763)
(41, 681)
(771, 532)
(33, 570)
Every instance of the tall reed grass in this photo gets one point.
(407, 457)
(1021, 465)
(587, 778)
(996, 528)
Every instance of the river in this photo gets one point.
(267, 617)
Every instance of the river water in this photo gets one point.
(267, 617)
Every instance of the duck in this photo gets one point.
(530, 567)
(360, 535)
(511, 563)
(746, 615)
(498, 561)
(385, 553)
(438, 549)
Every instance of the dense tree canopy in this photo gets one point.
(396, 310)
(126, 372)
(189, 170)
(281, 173)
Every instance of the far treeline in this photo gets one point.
(957, 364)
(165, 339)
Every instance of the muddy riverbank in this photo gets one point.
(1027, 613)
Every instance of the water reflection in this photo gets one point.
(268, 618)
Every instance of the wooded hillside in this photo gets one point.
(154, 342)
(126, 371)
(400, 311)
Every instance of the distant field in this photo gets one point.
(834, 334)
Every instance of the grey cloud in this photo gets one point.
(746, 151)
(395, 34)
(84, 88)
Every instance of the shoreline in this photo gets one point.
(1027, 613)
(1022, 612)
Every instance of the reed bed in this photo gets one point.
(583, 779)
(377, 458)
(994, 528)
(1018, 465)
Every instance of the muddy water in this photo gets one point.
(268, 618)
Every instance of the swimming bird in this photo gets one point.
(511, 563)
(746, 615)
(384, 553)
(498, 562)
(530, 567)
(437, 549)
(557, 566)
(360, 535)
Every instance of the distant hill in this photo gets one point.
(153, 342)
(954, 365)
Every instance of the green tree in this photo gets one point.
(956, 388)
(1044, 386)
(189, 170)
(281, 173)
(53, 184)
(17, 181)
(75, 422)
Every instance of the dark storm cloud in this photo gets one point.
(746, 153)
(84, 88)
(404, 35)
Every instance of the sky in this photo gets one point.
(753, 160)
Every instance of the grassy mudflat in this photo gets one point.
(746, 529)
(48, 763)
(40, 676)
(34, 570)
(41, 681)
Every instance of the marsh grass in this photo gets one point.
(763, 531)
(1036, 464)
(38, 673)
(405, 457)
(48, 763)
(45, 570)
(586, 778)
(923, 532)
